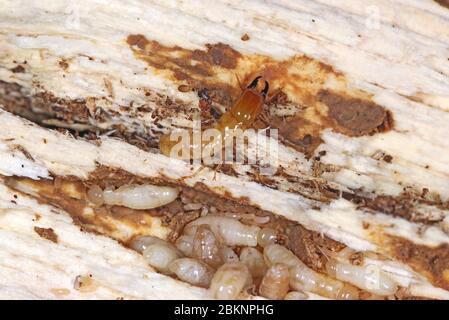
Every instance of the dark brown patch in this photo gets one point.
(433, 262)
(113, 177)
(190, 66)
(299, 133)
(47, 233)
(353, 116)
(63, 64)
(403, 206)
(245, 37)
(24, 152)
(308, 187)
(14, 99)
(387, 158)
(392, 206)
(18, 69)
(228, 169)
(261, 179)
(44, 108)
(178, 221)
(184, 88)
(137, 40)
(218, 54)
(443, 3)
(311, 245)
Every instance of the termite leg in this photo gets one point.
(253, 83)
(195, 173)
(266, 109)
(265, 119)
(241, 86)
(216, 169)
(273, 96)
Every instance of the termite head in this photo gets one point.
(255, 82)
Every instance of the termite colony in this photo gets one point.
(229, 251)
(232, 250)
(229, 257)
(234, 253)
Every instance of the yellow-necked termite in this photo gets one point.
(241, 116)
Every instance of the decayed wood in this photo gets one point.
(362, 116)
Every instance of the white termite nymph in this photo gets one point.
(229, 230)
(369, 278)
(160, 256)
(140, 197)
(230, 280)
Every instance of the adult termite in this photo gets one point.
(240, 116)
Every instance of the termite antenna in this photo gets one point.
(239, 82)
(265, 89)
(253, 84)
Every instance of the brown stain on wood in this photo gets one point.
(24, 152)
(323, 94)
(405, 205)
(69, 194)
(245, 37)
(433, 262)
(64, 64)
(47, 233)
(18, 69)
(354, 116)
(443, 3)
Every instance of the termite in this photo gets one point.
(240, 116)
